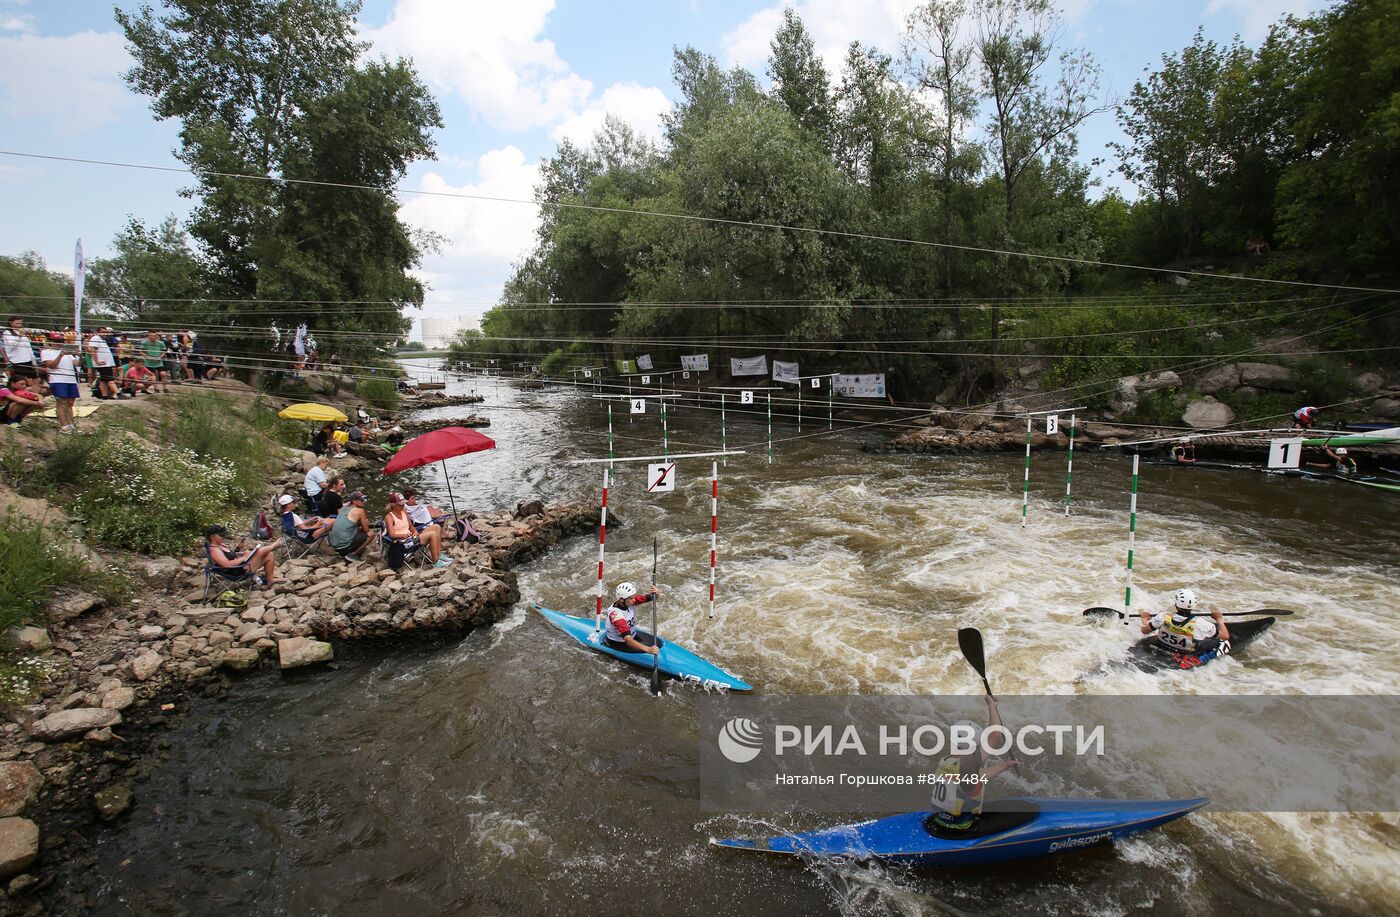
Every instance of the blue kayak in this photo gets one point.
(1010, 829)
(675, 661)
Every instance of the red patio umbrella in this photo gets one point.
(439, 446)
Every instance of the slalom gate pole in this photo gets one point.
(770, 428)
(665, 433)
(1026, 490)
(610, 437)
(629, 395)
(714, 529)
(1069, 467)
(602, 540)
(723, 430)
(1132, 531)
(830, 390)
(799, 405)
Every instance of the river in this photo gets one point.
(514, 772)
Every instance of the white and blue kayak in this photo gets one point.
(674, 661)
(1011, 829)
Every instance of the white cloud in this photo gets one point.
(1255, 16)
(490, 54)
(491, 229)
(640, 106)
(16, 23)
(73, 81)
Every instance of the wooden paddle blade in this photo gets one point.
(970, 642)
(1101, 611)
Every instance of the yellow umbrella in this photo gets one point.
(312, 412)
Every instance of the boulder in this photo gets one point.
(1386, 408)
(146, 665)
(1217, 379)
(1207, 413)
(20, 783)
(79, 603)
(68, 723)
(1154, 381)
(296, 652)
(31, 639)
(1267, 376)
(160, 570)
(239, 659)
(112, 801)
(19, 845)
(150, 632)
(529, 508)
(119, 698)
(1370, 383)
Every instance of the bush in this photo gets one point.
(262, 416)
(34, 560)
(209, 426)
(379, 393)
(154, 499)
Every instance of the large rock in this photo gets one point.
(296, 652)
(1267, 376)
(1155, 381)
(1217, 379)
(66, 724)
(19, 845)
(112, 801)
(1370, 383)
(239, 659)
(78, 604)
(20, 783)
(30, 639)
(159, 570)
(1208, 413)
(146, 665)
(1384, 408)
(119, 698)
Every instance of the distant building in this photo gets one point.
(438, 332)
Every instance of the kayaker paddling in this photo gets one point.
(1185, 631)
(622, 632)
(961, 784)
(1341, 463)
(1184, 453)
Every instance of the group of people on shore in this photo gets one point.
(58, 363)
(333, 439)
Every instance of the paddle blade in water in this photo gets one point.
(1100, 611)
(970, 642)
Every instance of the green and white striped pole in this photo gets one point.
(1026, 490)
(830, 388)
(770, 428)
(1132, 531)
(723, 431)
(665, 433)
(1069, 468)
(799, 405)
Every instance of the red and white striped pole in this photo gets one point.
(714, 529)
(602, 540)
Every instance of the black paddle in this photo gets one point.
(970, 642)
(655, 637)
(1101, 611)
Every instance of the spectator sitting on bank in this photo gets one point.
(422, 514)
(339, 438)
(62, 362)
(305, 530)
(315, 482)
(332, 497)
(350, 533)
(17, 401)
(137, 379)
(238, 559)
(403, 535)
(355, 433)
(213, 367)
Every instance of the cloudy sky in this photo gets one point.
(512, 79)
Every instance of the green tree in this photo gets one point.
(800, 80)
(273, 88)
(153, 275)
(33, 292)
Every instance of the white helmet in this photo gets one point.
(1184, 440)
(625, 590)
(1184, 600)
(1342, 450)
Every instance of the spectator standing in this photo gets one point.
(19, 353)
(124, 350)
(152, 349)
(104, 364)
(62, 362)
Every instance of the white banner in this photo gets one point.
(784, 372)
(699, 362)
(748, 366)
(869, 385)
(644, 362)
(79, 269)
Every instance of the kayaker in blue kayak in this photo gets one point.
(622, 632)
(960, 789)
(1184, 631)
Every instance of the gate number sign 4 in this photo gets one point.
(639, 405)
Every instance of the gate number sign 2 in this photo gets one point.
(1285, 453)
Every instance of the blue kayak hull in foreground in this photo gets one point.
(675, 662)
(1049, 826)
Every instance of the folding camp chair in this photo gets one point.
(233, 579)
(414, 555)
(296, 543)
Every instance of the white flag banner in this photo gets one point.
(784, 372)
(699, 362)
(869, 385)
(644, 362)
(79, 269)
(748, 366)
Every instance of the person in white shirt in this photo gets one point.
(19, 353)
(315, 482)
(104, 363)
(1184, 630)
(62, 364)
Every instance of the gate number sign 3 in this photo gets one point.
(1052, 424)
(639, 405)
(1285, 453)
